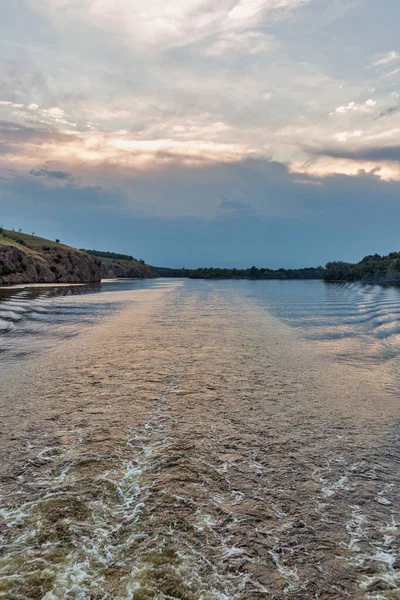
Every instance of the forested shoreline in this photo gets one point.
(18, 249)
(373, 268)
(252, 273)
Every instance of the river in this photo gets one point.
(200, 440)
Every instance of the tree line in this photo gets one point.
(251, 273)
(113, 255)
(373, 268)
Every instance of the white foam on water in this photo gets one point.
(391, 527)
(329, 490)
(381, 551)
(390, 579)
(237, 496)
(290, 575)
(109, 532)
(383, 500)
(234, 551)
(355, 529)
(385, 557)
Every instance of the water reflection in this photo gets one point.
(349, 321)
(35, 317)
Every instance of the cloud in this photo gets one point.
(162, 25)
(307, 182)
(248, 9)
(256, 189)
(332, 164)
(210, 191)
(199, 109)
(235, 207)
(392, 73)
(367, 106)
(392, 110)
(47, 116)
(18, 136)
(375, 154)
(28, 147)
(386, 59)
(185, 85)
(60, 175)
(247, 42)
(53, 115)
(348, 135)
(10, 104)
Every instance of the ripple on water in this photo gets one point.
(237, 485)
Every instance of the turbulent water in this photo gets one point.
(198, 440)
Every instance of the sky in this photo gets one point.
(203, 133)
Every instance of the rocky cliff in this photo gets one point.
(23, 260)
(127, 269)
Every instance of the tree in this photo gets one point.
(395, 266)
(254, 273)
(57, 241)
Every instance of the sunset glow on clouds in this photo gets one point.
(116, 91)
(186, 83)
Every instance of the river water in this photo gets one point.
(198, 440)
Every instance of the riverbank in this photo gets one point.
(30, 259)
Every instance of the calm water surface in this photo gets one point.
(198, 440)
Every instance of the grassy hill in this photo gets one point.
(122, 265)
(28, 258)
(32, 245)
(18, 238)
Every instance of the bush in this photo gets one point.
(114, 255)
(4, 271)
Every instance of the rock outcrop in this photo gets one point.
(47, 264)
(127, 269)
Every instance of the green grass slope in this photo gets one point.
(33, 242)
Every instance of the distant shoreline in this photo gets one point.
(29, 259)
